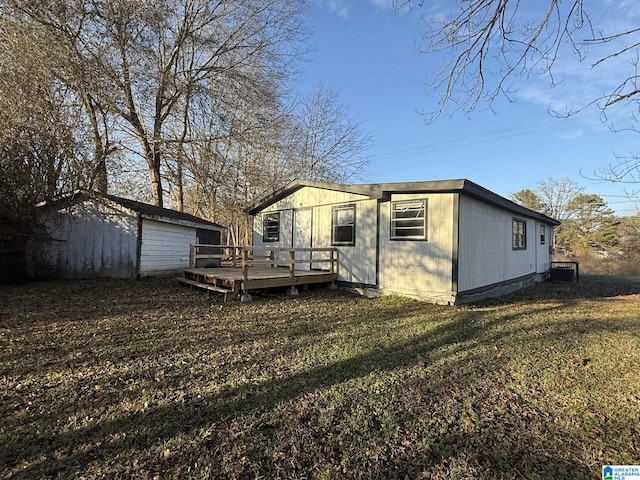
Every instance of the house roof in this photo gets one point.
(381, 191)
(151, 212)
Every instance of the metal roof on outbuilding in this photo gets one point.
(151, 212)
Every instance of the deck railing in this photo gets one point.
(250, 256)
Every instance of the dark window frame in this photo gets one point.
(393, 229)
(274, 237)
(335, 241)
(543, 234)
(518, 235)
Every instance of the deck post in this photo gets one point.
(245, 267)
(331, 261)
(272, 257)
(245, 297)
(292, 290)
(192, 249)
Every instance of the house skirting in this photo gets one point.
(500, 288)
(460, 298)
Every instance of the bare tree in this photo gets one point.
(557, 196)
(524, 38)
(145, 58)
(327, 142)
(529, 199)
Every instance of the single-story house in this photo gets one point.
(446, 242)
(90, 235)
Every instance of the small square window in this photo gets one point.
(409, 220)
(271, 227)
(343, 225)
(519, 234)
(543, 235)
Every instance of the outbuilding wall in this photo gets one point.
(164, 247)
(87, 240)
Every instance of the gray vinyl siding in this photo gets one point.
(90, 240)
(419, 268)
(486, 256)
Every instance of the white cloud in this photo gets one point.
(338, 7)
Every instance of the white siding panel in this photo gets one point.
(312, 197)
(357, 263)
(285, 238)
(165, 247)
(486, 256)
(419, 268)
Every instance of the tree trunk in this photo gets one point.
(100, 182)
(156, 180)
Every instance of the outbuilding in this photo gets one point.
(88, 235)
(448, 242)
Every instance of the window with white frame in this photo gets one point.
(271, 227)
(409, 220)
(343, 225)
(519, 234)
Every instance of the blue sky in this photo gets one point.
(367, 53)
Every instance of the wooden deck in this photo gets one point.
(253, 268)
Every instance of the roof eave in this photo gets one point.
(371, 191)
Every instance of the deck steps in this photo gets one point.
(228, 294)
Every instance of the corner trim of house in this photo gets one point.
(378, 237)
(455, 249)
(139, 248)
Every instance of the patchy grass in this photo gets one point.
(145, 379)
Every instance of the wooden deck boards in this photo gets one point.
(231, 279)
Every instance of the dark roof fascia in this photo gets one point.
(371, 191)
(146, 210)
(469, 188)
(481, 193)
(384, 190)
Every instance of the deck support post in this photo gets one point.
(292, 291)
(245, 270)
(332, 286)
(245, 297)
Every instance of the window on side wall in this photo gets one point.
(271, 227)
(543, 235)
(343, 225)
(409, 220)
(519, 234)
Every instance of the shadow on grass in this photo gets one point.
(444, 346)
(589, 287)
(454, 356)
